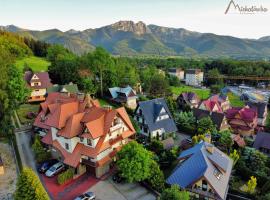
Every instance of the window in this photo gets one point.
(204, 185)
(217, 174)
(35, 84)
(66, 146)
(81, 139)
(145, 129)
(89, 142)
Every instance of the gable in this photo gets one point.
(34, 77)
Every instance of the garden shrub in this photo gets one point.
(65, 176)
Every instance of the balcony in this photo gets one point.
(115, 140)
(88, 162)
(202, 193)
(117, 126)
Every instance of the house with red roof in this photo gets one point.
(211, 106)
(222, 100)
(38, 82)
(82, 134)
(243, 121)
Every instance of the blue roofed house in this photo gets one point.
(204, 171)
(124, 95)
(154, 118)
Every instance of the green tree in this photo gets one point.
(134, 162)
(205, 125)
(234, 156)
(40, 153)
(159, 86)
(156, 146)
(16, 87)
(88, 86)
(173, 193)
(251, 185)
(226, 139)
(186, 121)
(172, 105)
(100, 60)
(29, 187)
(156, 178)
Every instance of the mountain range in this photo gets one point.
(128, 38)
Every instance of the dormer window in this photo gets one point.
(89, 142)
(81, 139)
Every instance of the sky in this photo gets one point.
(195, 15)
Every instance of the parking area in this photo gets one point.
(108, 190)
(70, 190)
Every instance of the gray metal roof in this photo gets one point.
(200, 163)
(151, 110)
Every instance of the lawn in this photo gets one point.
(104, 102)
(37, 64)
(235, 100)
(24, 110)
(202, 93)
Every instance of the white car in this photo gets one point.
(55, 169)
(86, 196)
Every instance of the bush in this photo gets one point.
(29, 186)
(156, 179)
(65, 176)
(40, 153)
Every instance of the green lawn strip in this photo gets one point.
(202, 93)
(104, 102)
(37, 64)
(235, 100)
(24, 110)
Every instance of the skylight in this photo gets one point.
(217, 174)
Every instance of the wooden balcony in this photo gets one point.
(115, 140)
(202, 193)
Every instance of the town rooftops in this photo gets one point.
(193, 71)
(42, 77)
(245, 113)
(152, 110)
(216, 117)
(262, 141)
(260, 107)
(203, 161)
(188, 96)
(211, 105)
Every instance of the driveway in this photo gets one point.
(26, 153)
(122, 191)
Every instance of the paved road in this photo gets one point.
(26, 153)
(108, 190)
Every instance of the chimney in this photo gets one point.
(107, 108)
(210, 148)
(207, 138)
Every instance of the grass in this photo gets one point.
(202, 93)
(235, 100)
(24, 109)
(37, 64)
(104, 102)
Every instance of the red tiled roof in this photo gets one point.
(47, 139)
(71, 115)
(210, 105)
(240, 141)
(73, 126)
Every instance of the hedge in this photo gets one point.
(65, 176)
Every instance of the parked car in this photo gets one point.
(44, 166)
(55, 169)
(86, 196)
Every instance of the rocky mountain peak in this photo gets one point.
(139, 28)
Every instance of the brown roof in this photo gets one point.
(42, 77)
(239, 140)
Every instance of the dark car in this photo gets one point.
(43, 167)
(86, 196)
